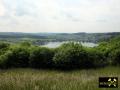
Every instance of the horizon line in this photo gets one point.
(58, 32)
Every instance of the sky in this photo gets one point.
(68, 16)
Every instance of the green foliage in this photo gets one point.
(96, 58)
(41, 57)
(3, 60)
(71, 55)
(114, 57)
(111, 50)
(68, 56)
(17, 57)
(25, 44)
(3, 47)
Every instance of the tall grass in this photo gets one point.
(30, 79)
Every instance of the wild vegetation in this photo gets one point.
(32, 79)
(68, 56)
(24, 66)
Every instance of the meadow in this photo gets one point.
(34, 79)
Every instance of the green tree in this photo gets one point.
(17, 57)
(41, 57)
(114, 57)
(71, 55)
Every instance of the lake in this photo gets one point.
(57, 44)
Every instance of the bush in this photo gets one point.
(114, 57)
(17, 57)
(25, 44)
(41, 57)
(96, 58)
(4, 59)
(70, 56)
(3, 47)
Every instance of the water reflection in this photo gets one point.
(57, 44)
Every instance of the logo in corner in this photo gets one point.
(108, 82)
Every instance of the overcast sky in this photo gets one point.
(60, 16)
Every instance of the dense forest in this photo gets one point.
(68, 56)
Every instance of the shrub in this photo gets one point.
(25, 44)
(41, 57)
(17, 57)
(96, 58)
(4, 59)
(3, 47)
(71, 55)
(114, 57)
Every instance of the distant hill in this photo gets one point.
(20, 35)
(84, 37)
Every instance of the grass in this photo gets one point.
(31, 79)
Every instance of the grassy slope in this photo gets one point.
(30, 79)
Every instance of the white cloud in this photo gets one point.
(2, 8)
(60, 15)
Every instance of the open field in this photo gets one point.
(31, 79)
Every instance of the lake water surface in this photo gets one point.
(57, 44)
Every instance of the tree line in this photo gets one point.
(68, 56)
